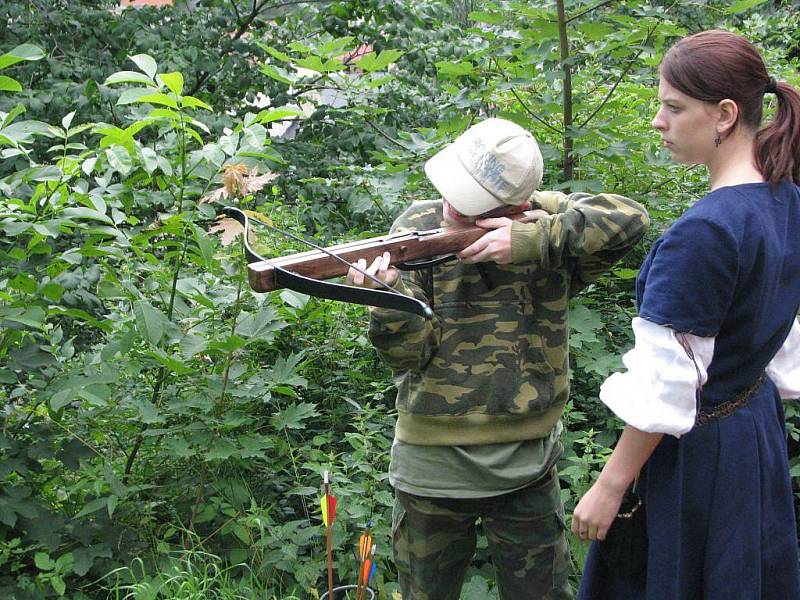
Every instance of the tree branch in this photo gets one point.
(525, 107)
(533, 115)
(588, 10)
(622, 75)
(389, 138)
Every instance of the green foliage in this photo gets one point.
(164, 428)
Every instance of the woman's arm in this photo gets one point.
(599, 506)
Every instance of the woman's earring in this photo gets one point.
(717, 141)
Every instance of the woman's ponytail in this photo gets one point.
(777, 147)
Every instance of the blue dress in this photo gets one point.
(720, 512)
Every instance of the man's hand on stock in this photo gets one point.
(495, 246)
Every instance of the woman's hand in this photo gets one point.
(596, 511)
(380, 268)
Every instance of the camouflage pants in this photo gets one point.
(434, 541)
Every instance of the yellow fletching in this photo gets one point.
(324, 504)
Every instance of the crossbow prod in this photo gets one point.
(292, 272)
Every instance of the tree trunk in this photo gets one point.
(567, 161)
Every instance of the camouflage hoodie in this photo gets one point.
(492, 365)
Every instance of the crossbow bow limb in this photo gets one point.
(384, 298)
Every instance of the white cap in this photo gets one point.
(493, 163)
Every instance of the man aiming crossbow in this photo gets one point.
(481, 386)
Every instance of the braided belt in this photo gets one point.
(727, 408)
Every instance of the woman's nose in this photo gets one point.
(658, 121)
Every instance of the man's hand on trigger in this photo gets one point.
(380, 268)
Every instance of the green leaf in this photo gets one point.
(371, 62)
(227, 345)
(128, 77)
(43, 561)
(148, 411)
(293, 416)
(742, 6)
(111, 504)
(149, 322)
(150, 159)
(13, 114)
(171, 362)
(278, 114)
(93, 506)
(487, 17)
(161, 99)
(174, 81)
(132, 95)
(477, 588)
(8, 84)
(61, 398)
(24, 283)
(213, 154)
(274, 52)
(220, 450)
(58, 585)
(259, 326)
(83, 212)
(334, 46)
(315, 63)
(84, 557)
(53, 291)
(191, 345)
(254, 445)
(20, 53)
(192, 102)
(146, 63)
(453, 69)
(33, 316)
(241, 532)
(119, 158)
(276, 73)
(179, 447)
(623, 273)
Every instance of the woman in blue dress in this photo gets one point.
(717, 349)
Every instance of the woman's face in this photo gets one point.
(687, 125)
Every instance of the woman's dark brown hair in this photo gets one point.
(714, 65)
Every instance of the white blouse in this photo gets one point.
(658, 392)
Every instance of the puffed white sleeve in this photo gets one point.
(658, 392)
(784, 369)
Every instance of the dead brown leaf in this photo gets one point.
(230, 229)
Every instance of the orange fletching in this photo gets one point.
(364, 545)
(366, 569)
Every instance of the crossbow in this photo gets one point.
(279, 276)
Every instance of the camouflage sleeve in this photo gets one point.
(404, 341)
(590, 231)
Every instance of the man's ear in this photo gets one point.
(728, 115)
